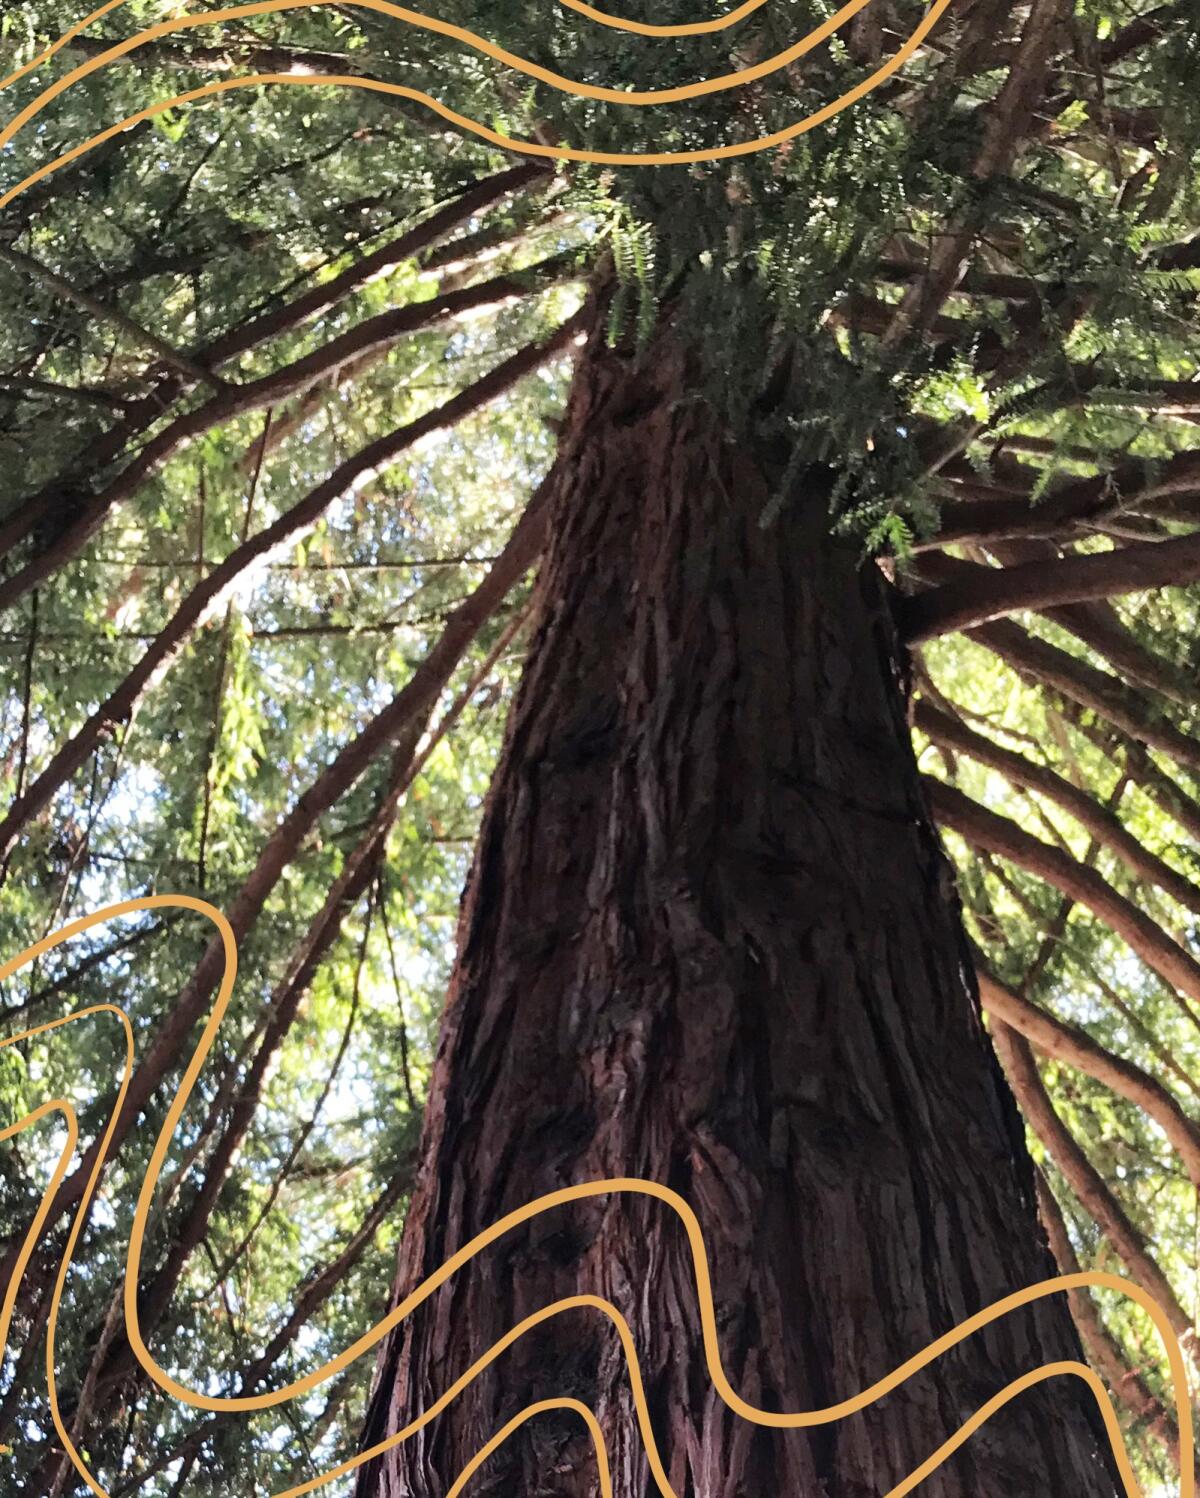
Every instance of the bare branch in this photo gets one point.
(399, 722)
(1103, 825)
(987, 830)
(1103, 1352)
(181, 362)
(144, 412)
(1142, 720)
(990, 592)
(370, 336)
(1085, 1180)
(1006, 122)
(213, 589)
(1068, 1043)
(1135, 486)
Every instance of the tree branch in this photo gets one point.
(401, 720)
(1131, 486)
(1082, 683)
(1085, 1180)
(183, 363)
(1076, 1048)
(212, 590)
(1103, 825)
(1103, 1352)
(250, 335)
(1006, 122)
(987, 593)
(987, 830)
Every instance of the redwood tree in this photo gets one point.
(710, 937)
(864, 433)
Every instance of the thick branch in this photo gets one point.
(263, 59)
(990, 592)
(209, 593)
(1096, 819)
(1101, 628)
(1075, 1047)
(986, 830)
(1085, 1180)
(1131, 486)
(84, 395)
(1006, 122)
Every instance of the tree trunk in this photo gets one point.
(710, 939)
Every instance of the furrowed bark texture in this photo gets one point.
(710, 939)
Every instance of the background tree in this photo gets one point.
(278, 377)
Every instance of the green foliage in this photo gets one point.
(785, 268)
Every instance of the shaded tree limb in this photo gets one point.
(225, 58)
(1100, 628)
(1006, 122)
(213, 589)
(1086, 1181)
(86, 395)
(1098, 625)
(987, 830)
(987, 593)
(1101, 823)
(1131, 486)
(1103, 1351)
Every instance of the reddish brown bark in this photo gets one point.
(710, 939)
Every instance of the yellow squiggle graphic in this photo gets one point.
(603, 18)
(461, 34)
(471, 39)
(585, 1190)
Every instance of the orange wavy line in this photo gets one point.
(478, 43)
(468, 38)
(603, 18)
(583, 1191)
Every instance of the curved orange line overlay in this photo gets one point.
(634, 97)
(622, 1185)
